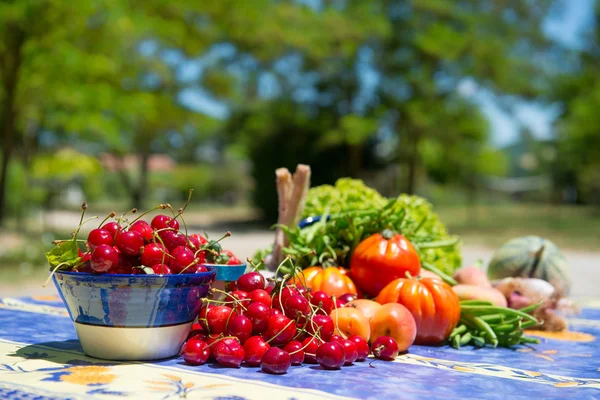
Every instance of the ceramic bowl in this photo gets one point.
(226, 273)
(133, 317)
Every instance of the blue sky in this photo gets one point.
(566, 27)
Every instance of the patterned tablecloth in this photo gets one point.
(41, 358)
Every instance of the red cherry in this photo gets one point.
(255, 347)
(296, 307)
(200, 269)
(154, 253)
(217, 318)
(339, 303)
(195, 352)
(350, 350)
(172, 239)
(260, 296)
(161, 269)
(280, 297)
(346, 298)
(178, 249)
(183, 260)
(280, 330)
(385, 348)
(322, 326)
(276, 361)
(331, 355)
(196, 240)
(362, 347)
(240, 327)
(104, 257)
(144, 229)
(311, 344)
(275, 311)
(294, 348)
(251, 281)
(85, 257)
(335, 338)
(163, 221)
(130, 243)
(320, 299)
(229, 353)
(113, 228)
(97, 237)
(259, 315)
(269, 289)
(239, 294)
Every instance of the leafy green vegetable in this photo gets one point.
(355, 212)
(64, 256)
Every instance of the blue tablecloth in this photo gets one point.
(41, 358)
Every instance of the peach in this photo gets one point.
(472, 276)
(350, 321)
(394, 320)
(472, 292)
(367, 307)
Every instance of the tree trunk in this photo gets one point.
(139, 191)
(11, 64)
(413, 161)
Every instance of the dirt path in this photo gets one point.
(585, 266)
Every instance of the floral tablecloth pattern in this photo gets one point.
(40, 358)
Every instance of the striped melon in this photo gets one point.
(531, 257)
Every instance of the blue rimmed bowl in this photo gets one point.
(133, 317)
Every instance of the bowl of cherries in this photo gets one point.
(133, 288)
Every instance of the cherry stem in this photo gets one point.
(207, 246)
(184, 224)
(235, 299)
(160, 206)
(111, 215)
(182, 209)
(279, 333)
(189, 265)
(83, 208)
(221, 339)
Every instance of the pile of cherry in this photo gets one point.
(160, 245)
(275, 327)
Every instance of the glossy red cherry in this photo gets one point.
(97, 237)
(144, 229)
(240, 327)
(362, 347)
(172, 239)
(229, 353)
(311, 344)
(255, 347)
(195, 241)
(195, 352)
(163, 221)
(281, 296)
(320, 299)
(296, 307)
(154, 253)
(346, 298)
(385, 348)
(259, 315)
(112, 227)
(350, 351)
(335, 338)
(321, 325)
(276, 361)
(251, 281)
(260, 296)
(161, 269)
(104, 257)
(280, 330)
(217, 318)
(130, 243)
(275, 311)
(294, 348)
(240, 295)
(85, 257)
(199, 269)
(183, 260)
(331, 355)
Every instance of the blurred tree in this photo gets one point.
(577, 167)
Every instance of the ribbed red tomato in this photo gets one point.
(381, 258)
(432, 302)
(334, 281)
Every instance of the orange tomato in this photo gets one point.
(432, 302)
(381, 258)
(349, 321)
(334, 281)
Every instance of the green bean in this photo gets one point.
(478, 341)
(503, 310)
(504, 328)
(529, 324)
(526, 339)
(458, 330)
(475, 303)
(530, 308)
(465, 339)
(492, 318)
(456, 342)
(511, 321)
(487, 329)
(446, 278)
